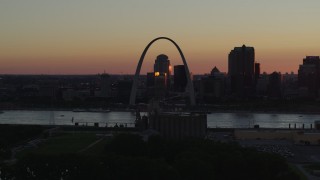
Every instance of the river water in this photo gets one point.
(223, 120)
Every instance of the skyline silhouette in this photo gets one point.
(166, 89)
(89, 37)
(146, 70)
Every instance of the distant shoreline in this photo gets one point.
(131, 110)
(266, 112)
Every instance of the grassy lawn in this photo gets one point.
(297, 171)
(63, 143)
(311, 167)
(97, 149)
(315, 166)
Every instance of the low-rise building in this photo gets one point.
(179, 125)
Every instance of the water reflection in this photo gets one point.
(224, 120)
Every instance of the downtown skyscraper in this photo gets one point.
(162, 74)
(309, 77)
(241, 71)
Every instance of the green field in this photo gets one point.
(312, 167)
(298, 172)
(63, 143)
(97, 149)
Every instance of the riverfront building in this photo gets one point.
(162, 68)
(180, 78)
(179, 125)
(309, 77)
(241, 65)
(212, 87)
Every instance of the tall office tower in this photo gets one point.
(162, 64)
(162, 67)
(180, 78)
(150, 85)
(105, 85)
(309, 76)
(212, 87)
(150, 79)
(274, 85)
(162, 72)
(241, 70)
(160, 82)
(256, 72)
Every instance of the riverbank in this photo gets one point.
(208, 111)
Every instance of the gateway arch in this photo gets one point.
(136, 76)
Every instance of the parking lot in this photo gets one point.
(294, 153)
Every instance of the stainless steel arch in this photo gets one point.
(136, 76)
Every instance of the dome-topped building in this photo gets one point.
(215, 70)
(162, 64)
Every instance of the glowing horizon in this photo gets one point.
(90, 37)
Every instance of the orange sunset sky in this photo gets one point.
(89, 37)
